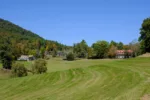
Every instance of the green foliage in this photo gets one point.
(70, 56)
(83, 80)
(100, 49)
(39, 66)
(6, 59)
(113, 43)
(19, 41)
(81, 49)
(90, 52)
(145, 35)
(33, 52)
(19, 70)
(120, 46)
(42, 52)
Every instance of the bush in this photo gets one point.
(70, 57)
(6, 59)
(39, 66)
(19, 70)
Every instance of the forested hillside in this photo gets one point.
(20, 41)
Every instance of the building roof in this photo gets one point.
(123, 51)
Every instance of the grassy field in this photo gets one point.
(82, 80)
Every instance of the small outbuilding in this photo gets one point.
(26, 58)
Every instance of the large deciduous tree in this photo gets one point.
(145, 35)
(100, 49)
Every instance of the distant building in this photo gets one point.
(26, 58)
(124, 54)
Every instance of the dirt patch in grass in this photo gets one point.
(145, 55)
(4, 73)
(146, 97)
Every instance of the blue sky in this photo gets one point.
(70, 21)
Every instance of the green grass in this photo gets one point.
(82, 80)
(0, 65)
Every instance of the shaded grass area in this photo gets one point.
(82, 80)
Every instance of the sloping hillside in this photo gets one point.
(9, 29)
(18, 40)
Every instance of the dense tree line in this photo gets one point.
(104, 49)
(11, 33)
(100, 49)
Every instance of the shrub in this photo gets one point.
(70, 57)
(6, 59)
(19, 70)
(39, 66)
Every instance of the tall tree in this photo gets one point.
(100, 49)
(42, 52)
(90, 52)
(6, 59)
(112, 51)
(113, 43)
(145, 35)
(120, 46)
(81, 49)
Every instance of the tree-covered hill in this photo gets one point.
(16, 31)
(18, 41)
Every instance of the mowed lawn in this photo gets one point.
(82, 80)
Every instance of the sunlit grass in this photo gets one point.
(82, 80)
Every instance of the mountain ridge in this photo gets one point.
(18, 40)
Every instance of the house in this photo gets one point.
(124, 54)
(26, 58)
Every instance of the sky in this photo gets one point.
(70, 21)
